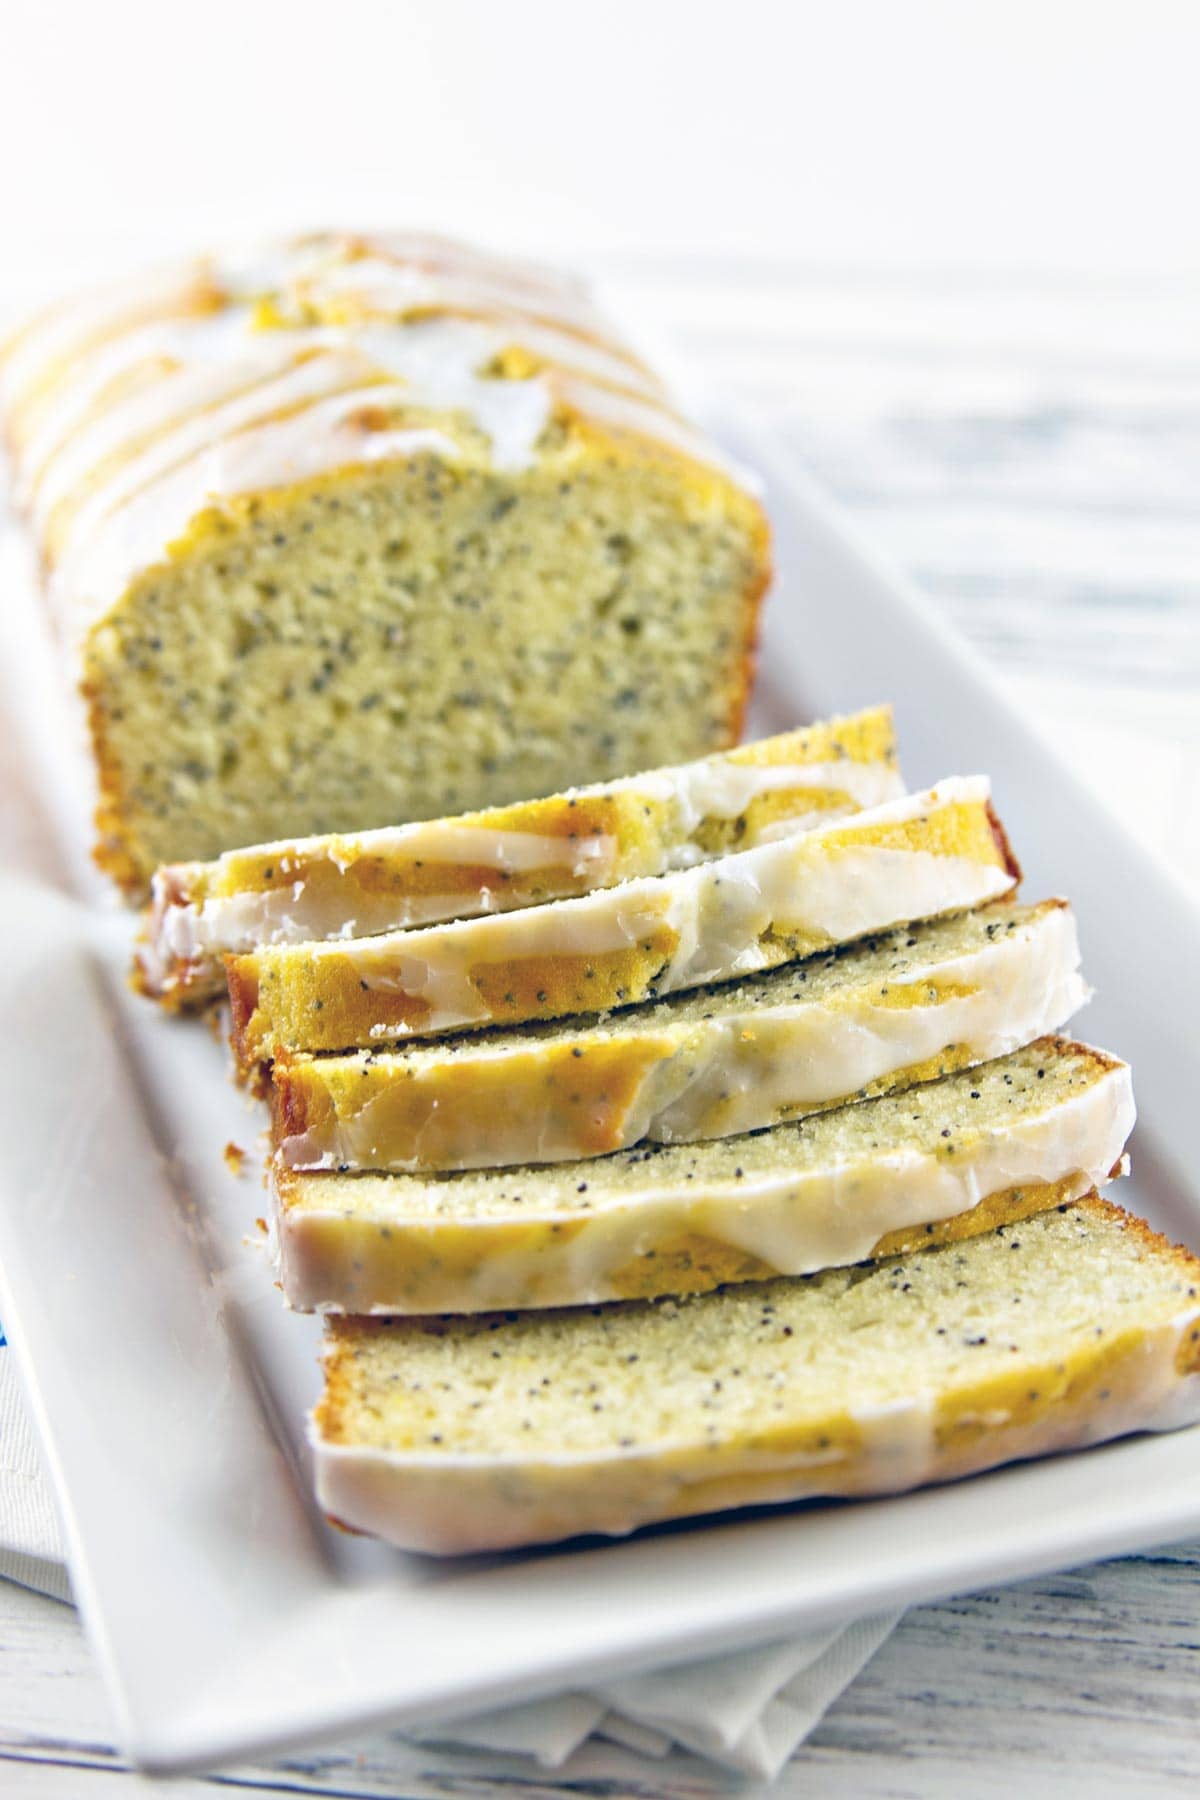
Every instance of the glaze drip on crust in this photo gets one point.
(953, 1156)
(107, 399)
(451, 1436)
(909, 1007)
(937, 852)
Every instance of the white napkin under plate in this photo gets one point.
(747, 1712)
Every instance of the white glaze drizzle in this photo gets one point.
(331, 433)
(438, 359)
(382, 286)
(457, 1503)
(1024, 985)
(250, 443)
(285, 386)
(219, 357)
(97, 340)
(437, 251)
(242, 921)
(711, 789)
(637, 416)
(168, 405)
(793, 1220)
(735, 1071)
(583, 356)
(72, 326)
(69, 412)
(452, 1502)
(435, 362)
(722, 788)
(719, 912)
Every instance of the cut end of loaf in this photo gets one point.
(520, 633)
(366, 528)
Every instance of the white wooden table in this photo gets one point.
(1031, 453)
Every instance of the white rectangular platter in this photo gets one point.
(170, 1386)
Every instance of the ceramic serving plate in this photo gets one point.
(170, 1386)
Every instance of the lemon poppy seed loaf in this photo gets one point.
(946, 1158)
(936, 852)
(371, 529)
(910, 1006)
(522, 855)
(457, 1435)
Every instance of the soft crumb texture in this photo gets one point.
(506, 857)
(370, 528)
(907, 1007)
(937, 852)
(416, 640)
(1021, 1134)
(463, 1434)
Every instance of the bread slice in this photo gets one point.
(367, 528)
(950, 1157)
(936, 852)
(456, 1435)
(552, 849)
(906, 1007)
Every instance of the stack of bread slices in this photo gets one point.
(698, 1139)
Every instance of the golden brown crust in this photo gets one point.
(351, 1011)
(1008, 1207)
(332, 1410)
(297, 1105)
(1003, 846)
(193, 986)
(113, 852)
(752, 613)
(242, 979)
(1057, 1045)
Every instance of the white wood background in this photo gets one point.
(1031, 453)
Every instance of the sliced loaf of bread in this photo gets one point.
(907, 1007)
(358, 528)
(947, 1158)
(931, 853)
(456, 1435)
(552, 849)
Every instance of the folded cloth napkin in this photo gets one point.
(748, 1711)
